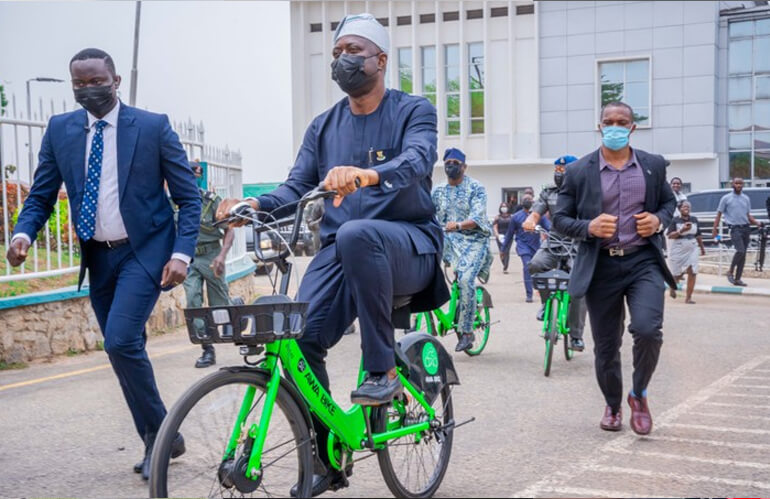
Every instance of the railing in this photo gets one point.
(56, 252)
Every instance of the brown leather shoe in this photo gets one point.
(610, 421)
(641, 420)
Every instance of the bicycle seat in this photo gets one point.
(401, 301)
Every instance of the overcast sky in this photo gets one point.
(220, 62)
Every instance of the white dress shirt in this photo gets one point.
(109, 224)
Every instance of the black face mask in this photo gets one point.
(348, 72)
(96, 100)
(558, 178)
(526, 204)
(453, 170)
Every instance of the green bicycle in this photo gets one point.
(556, 312)
(249, 430)
(440, 323)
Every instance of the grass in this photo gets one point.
(22, 287)
(4, 366)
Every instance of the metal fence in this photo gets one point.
(56, 252)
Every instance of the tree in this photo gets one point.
(3, 101)
(614, 92)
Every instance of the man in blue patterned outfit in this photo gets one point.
(461, 209)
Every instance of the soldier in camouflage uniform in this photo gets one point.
(209, 263)
(544, 261)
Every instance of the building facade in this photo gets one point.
(518, 83)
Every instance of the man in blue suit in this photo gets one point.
(114, 160)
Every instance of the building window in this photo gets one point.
(403, 20)
(748, 93)
(474, 14)
(627, 81)
(452, 89)
(498, 12)
(428, 61)
(452, 16)
(476, 85)
(405, 71)
(316, 27)
(427, 18)
(522, 10)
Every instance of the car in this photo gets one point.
(704, 204)
(266, 244)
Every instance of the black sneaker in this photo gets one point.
(333, 480)
(208, 358)
(377, 390)
(465, 342)
(739, 282)
(577, 344)
(731, 279)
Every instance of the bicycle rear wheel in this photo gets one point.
(414, 465)
(480, 325)
(551, 335)
(205, 415)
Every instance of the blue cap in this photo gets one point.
(565, 160)
(454, 153)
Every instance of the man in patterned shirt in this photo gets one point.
(461, 209)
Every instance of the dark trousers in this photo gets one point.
(123, 295)
(543, 261)
(505, 256)
(740, 236)
(525, 259)
(370, 262)
(637, 279)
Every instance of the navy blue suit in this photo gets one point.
(125, 280)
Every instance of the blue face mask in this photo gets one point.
(615, 137)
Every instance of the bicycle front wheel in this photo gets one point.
(414, 465)
(551, 335)
(480, 325)
(206, 415)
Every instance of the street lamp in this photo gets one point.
(29, 118)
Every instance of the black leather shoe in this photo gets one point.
(465, 343)
(333, 480)
(377, 390)
(541, 313)
(577, 344)
(143, 466)
(207, 358)
(529, 299)
(731, 279)
(739, 282)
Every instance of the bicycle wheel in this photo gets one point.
(551, 335)
(568, 352)
(480, 326)
(424, 323)
(414, 465)
(205, 416)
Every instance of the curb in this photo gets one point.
(729, 290)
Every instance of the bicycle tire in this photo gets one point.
(385, 456)
(186, 469)
(569, 353)
(481, 335)
(551, 336)
(427, 324)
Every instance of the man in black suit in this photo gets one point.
(617, 201)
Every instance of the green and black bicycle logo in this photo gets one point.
(430, 359)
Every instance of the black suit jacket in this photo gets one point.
(580, 201)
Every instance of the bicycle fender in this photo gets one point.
(486, 298)
(429, 365)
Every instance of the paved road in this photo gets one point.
(533, 436)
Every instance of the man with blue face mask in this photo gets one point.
(616, 200)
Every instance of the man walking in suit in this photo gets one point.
(114, 160)
(617, 201)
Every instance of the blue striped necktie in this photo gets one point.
(87, 221)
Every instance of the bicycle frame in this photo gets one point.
(445, 320)
(562, 301)
(349, 426)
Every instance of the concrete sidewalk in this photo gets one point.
(711, 283)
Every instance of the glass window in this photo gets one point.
(740, 164)
(429, 73)
(740, 141)
(452, 88)
(405, 71)
(476, 86)
(762, 164)
(762, 26)
(763, 87)
(629, 82)
(739, 88)
(740, 56)
(761, 140)
(739, 117)
(762, 54)
(762, 115)
(743, 28)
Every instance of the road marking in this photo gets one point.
(715, 443)
(721, 462)
(756, 377)
(762, 370)
(731, 416)
(556, 480)
(78, 372)
(747, 395)
(743, 406)
(582, 491)
(725, 429)
(751, 386)
(680, 476)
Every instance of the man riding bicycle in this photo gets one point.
(461, 206)
(379, 241)
(544, 260)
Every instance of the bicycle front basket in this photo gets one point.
(269, 319)
(553, 280)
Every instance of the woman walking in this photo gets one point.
(500, 227)
(686, 246)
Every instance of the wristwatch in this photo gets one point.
(459, 226)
